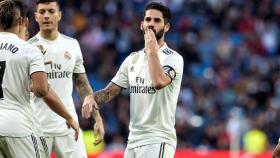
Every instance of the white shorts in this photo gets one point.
(162, 150)
(23, 147)
(66, 146)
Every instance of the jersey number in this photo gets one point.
(2, 70)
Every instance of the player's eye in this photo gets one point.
(157, 20)
(52, 11)
(41, 11)
(148, 19)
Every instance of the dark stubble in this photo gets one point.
(158, 34)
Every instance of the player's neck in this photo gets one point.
(161, 42)
(49, 35)
(10, 30)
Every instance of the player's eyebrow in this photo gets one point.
(155, 19)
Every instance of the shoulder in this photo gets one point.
(26, 45)
(131, 57)
(168, 51)
(134, 53)
(29, 50)
(172, 53)
(72, 43)
(33, 40)
(68, 38)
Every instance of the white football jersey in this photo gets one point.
(66, 57)
(18, 60)
(152, 112)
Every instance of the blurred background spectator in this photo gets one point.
(232, 60)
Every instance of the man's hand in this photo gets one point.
(151, 45)
(74, 124)
(98, 130)
(276, 152)
(88, 105)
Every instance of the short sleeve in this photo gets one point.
(121, 78)
(79, 65)
(173, 67)
(36, 62)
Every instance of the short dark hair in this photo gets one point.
(46, 1)
(8, 10)
(160, 7)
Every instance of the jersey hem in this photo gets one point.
(118, 85)
(37, 71)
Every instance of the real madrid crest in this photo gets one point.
(135, 58)
(170, 71)
(41, 48)
(172, 74)
(67, 55)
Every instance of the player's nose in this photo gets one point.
(150, 26)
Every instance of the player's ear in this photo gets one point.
(59, 15)
(36, 16)
(166, 27)
(141, 26)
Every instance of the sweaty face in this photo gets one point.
(154, 20)
(48, 15)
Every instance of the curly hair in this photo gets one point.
(8, 11)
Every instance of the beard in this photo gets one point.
(158, 34)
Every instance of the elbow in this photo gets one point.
(40, 92)
(158, 85)
(161, 83)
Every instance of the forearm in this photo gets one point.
(107, 94)
(84, 89)
(156, 71)
(96, 115)
(102, 96)
(82, 85)
(53, 101)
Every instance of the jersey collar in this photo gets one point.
(163, 46)
(8, 34)
(49, 41)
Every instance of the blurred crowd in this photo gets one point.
(231, 87)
